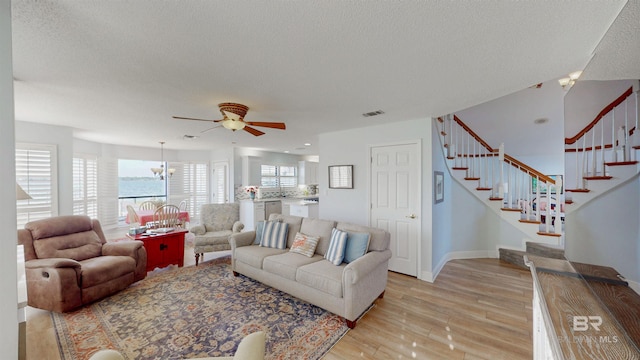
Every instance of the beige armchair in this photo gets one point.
(68, 262)
(217, 223)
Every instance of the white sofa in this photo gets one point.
(346, 289)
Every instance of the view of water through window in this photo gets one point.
(135, 179)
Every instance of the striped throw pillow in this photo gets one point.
(274, 235)
(304, 244)
(337, 244)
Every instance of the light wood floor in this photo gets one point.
(476, 309)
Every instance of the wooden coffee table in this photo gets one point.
(163, 249)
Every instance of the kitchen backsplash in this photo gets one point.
(268, 193)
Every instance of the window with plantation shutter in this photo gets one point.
(274, 176)
(36, 173)
(108, 202)
(190, 182)
(85, 185)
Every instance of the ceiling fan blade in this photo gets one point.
(209, 129)
(186, 118)
(253, 131)
(273, 125)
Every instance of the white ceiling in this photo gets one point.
(116, 71)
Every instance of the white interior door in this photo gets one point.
(220, 193)
(395, 201)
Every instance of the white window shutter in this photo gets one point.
(108, 202)
(36, 173)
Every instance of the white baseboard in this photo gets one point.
(431, 276)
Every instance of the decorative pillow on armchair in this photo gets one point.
(304, 244)
(274, 235)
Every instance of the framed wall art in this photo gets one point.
(438, 186)
(341, 177)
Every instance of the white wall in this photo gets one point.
(606, 231)
(8, 259)
(351, 147)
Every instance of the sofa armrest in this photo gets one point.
(198, 230)
(237, 227)
(364, 265)
(123, 248)
(51, 263)
(242, 239)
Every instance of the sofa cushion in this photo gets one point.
(254, 255)
(294, 225)
(320, 229)
(101, 269)
(379, 241)
(286, 265)
(323, 276)
(212, 237)
(357, 245)
(274, 235)
(77, 246)
(259, 231)
(304, 245)
(337, 244)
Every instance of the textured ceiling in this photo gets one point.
(116, 71)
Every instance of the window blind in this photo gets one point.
(36, 173)
(85, 185)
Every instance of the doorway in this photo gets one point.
(395, 201)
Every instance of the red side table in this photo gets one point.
(163, 249)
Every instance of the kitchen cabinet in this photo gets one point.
(307, 172)
(250, 213)
(305, 210)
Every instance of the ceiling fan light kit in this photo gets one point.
(233, 119)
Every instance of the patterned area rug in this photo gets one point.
(197, 312)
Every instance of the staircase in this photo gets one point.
(599, 158)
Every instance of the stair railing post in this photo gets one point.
(602, 146)
(501, 162)
(537, 197)
(559, 206)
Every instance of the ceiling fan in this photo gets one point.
(233, 119)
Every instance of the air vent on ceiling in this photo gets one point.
(373, 113)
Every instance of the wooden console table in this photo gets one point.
(163, 249)
(574, 317)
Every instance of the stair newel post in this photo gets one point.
(625, 146)
(537, 197)
(455, 161)
(614, 146)
(602, 146)
(593, 151)
(501, 164)
(559, 205)
(584, 170)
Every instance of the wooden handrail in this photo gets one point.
(475, 136)
(528, 169)
(603, 112)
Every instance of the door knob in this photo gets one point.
(412, 216)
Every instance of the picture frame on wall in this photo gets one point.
(341, 177)
(438, 186)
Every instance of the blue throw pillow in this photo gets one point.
(335, 253)
(274, 235)
(357, 245)
(259, 230)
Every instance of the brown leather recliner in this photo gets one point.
(68, 262)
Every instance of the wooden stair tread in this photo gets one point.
(459, 168)
(621, 163)
(601, 177)
(511, 209)
(568, 202)
(530, 221)
(597, 271)
(542, 233)
(578, 190)
(495, 199)
(483, 189)
(471, 178)
(623, 303)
